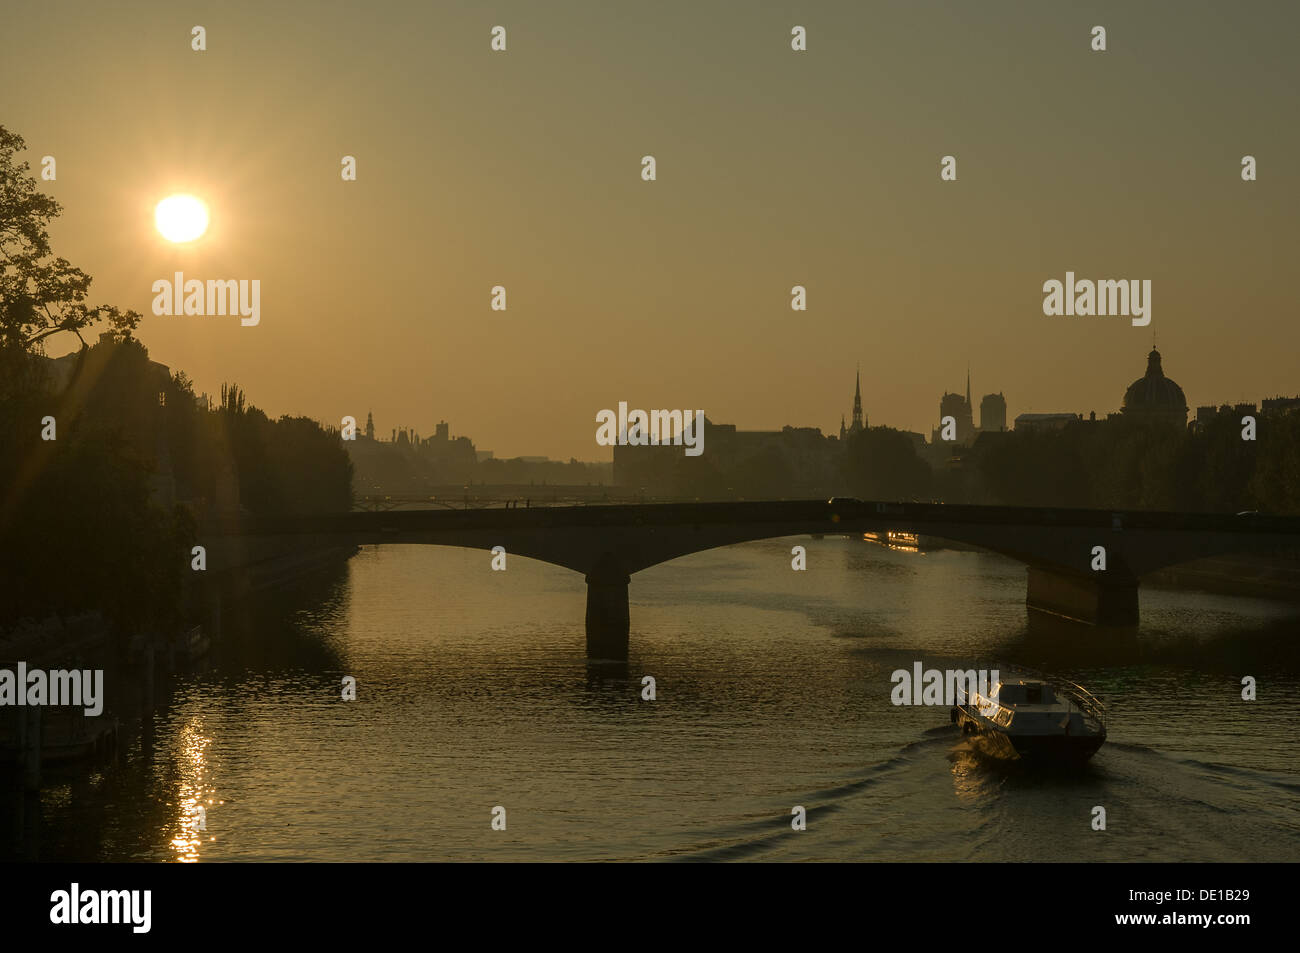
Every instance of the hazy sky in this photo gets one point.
(775, 168)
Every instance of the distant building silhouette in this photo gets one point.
(859, 418)
(792, 461)
(1269, 405)
(1277, 405)
(409, 463)
(1041, 423)
(1206, 414)
(959, 408)
(993, 413)
(1154, 397)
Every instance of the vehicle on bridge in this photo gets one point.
(1034, 719)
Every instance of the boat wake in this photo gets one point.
(937, 799)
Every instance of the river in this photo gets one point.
(772, 690)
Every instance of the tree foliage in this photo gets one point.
(880, 463)
(1129, 464)
(40, 294)
(87, 521)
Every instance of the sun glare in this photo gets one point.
(181, 218)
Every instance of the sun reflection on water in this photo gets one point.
(195, 796)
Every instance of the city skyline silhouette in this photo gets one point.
(776, 169)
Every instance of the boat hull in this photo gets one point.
(1060, 749)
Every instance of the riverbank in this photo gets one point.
(134, 667)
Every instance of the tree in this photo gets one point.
(1276, 480)
(40, 295)
(880, 463)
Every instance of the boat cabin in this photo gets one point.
(1026, 692)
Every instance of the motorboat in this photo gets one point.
(1034, 718)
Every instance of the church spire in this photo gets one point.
(858, 423)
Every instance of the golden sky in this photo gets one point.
(775, 168)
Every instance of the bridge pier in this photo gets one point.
(608, 617)
(1104, 599)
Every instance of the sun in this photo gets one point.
(181, 218)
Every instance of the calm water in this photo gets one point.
(773, 690)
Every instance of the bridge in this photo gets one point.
(487, 497)
(1083, 564)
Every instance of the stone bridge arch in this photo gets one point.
(609, 544)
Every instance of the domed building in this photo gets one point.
(1155, 398)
